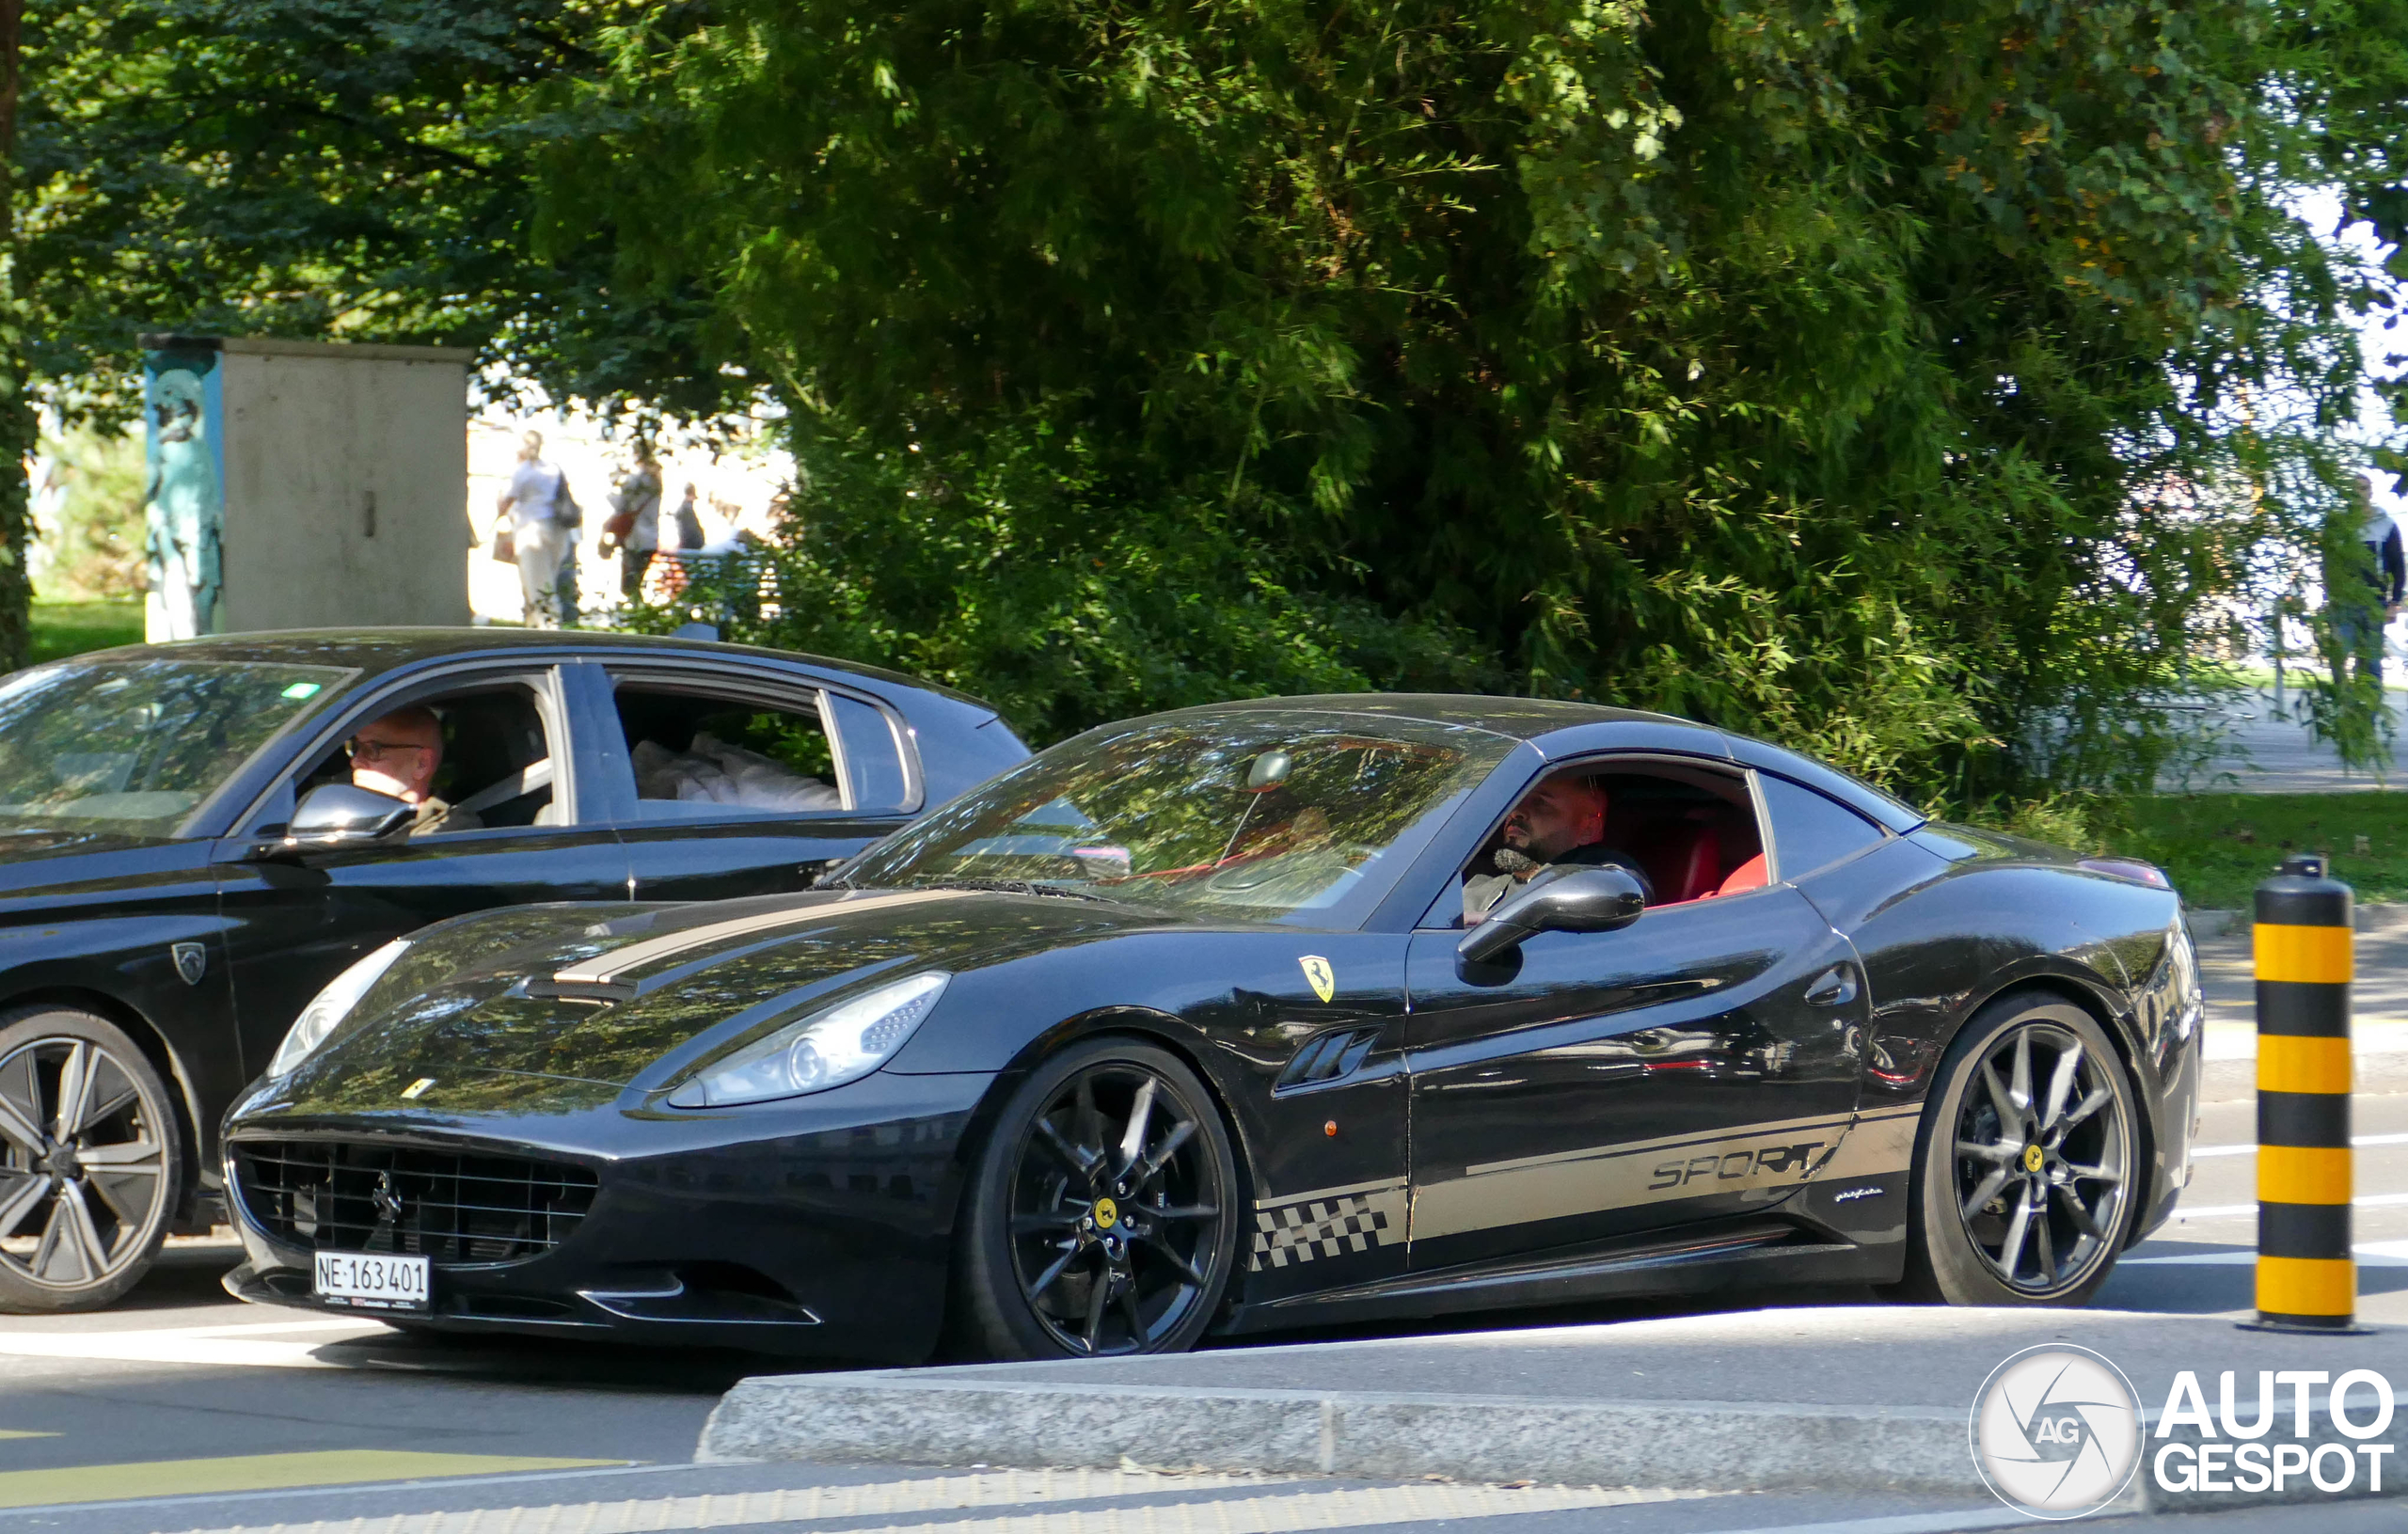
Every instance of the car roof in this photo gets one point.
(373, 651)
(1523, 719)
(1557, 728)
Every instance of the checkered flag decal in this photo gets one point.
(1327, 1227)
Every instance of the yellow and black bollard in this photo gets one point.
(2306, 1278)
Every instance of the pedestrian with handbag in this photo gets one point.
(635, 523)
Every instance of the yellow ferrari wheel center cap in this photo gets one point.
(2032, 1157)
(1107, 1214)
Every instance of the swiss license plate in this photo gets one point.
(372, 1281)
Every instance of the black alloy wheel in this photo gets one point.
(89, 1161)
(1103, 1217)
(2027, 1167)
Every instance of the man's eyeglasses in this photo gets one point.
(376, 750)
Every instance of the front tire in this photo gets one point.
(2026, 1163)
(89, 1161)
(1101, 1218)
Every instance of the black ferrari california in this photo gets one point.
(1248, 1017)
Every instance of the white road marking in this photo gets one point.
(236, 1344)
(301, 1322)
(1279, 1511)
(1904, 1523)
(2368, 1254)
(2198, 1151)
(2234, 1211)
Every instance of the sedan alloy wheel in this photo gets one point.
(88, 1162)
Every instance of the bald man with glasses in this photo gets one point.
(399, 754)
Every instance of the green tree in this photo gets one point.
(342, 170)
(1866, 374)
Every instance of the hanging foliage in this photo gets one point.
(1865, 375)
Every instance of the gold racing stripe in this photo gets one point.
(1780, 1155)
(1882, 1141)
(605, 969)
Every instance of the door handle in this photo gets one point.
(1834, 986)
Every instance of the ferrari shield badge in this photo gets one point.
(1319, 975)
(192, 961)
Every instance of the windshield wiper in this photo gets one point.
(1010, 886)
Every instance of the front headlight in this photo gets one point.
(331, 1005)
(826, 1049)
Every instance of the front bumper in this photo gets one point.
(821, 1227)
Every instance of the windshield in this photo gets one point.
(1262, 816)
(134, 745)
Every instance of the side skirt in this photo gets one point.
(1697, 1259)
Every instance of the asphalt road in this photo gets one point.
(181, 1410)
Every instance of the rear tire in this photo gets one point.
(2027, 1167)
(1101, 1216)
(90, 1162)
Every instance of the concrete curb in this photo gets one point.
(883, 1417)
(889, 1416)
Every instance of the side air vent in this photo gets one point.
(1327, 1056)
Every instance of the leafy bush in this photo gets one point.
(1864, 376)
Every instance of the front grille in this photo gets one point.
(454, 1207)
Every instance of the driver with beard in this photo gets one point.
(1561, 823)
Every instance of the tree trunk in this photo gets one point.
(17, 425)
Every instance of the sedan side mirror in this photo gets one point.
(1569, 900)
(346, 815)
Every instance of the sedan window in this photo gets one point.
(497, 765)
(136, 745)
(702, 753)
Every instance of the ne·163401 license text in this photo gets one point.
(371, 1281)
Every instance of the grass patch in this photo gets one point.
(69, 628)
(2217, 846)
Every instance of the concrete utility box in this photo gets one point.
(302, 485)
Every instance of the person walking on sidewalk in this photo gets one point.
(635, 522)
(2365, 605)
(535, 504)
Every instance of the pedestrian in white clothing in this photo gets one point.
(539, 531)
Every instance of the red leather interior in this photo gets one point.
(1748, 875)
(1683, 860)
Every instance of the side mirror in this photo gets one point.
(344, 815)
(1569, 900)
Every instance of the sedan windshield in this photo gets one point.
(135, 745)
(1264, 817)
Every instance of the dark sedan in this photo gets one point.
(1251, 1017)
(190, 860)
